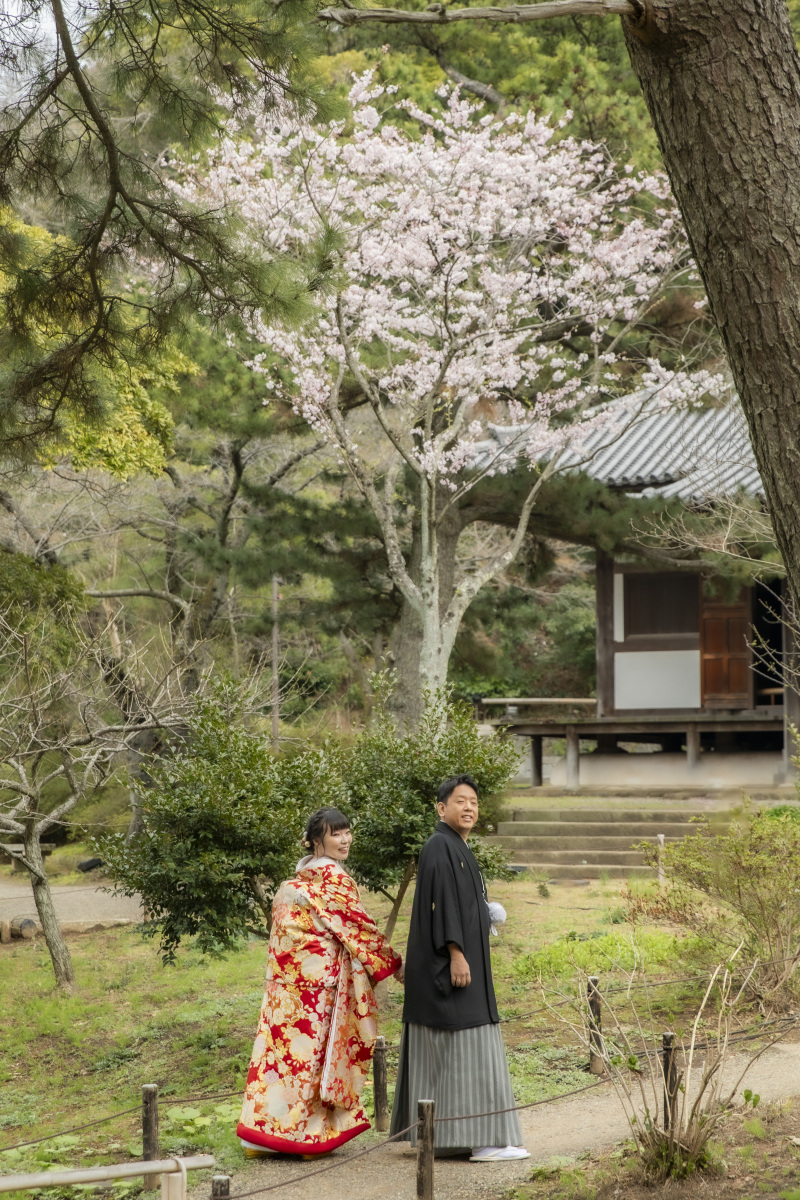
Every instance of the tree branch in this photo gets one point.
(484, 91)
(437, 14)
(152, 593)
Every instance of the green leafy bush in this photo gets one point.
(224, 817)
(737, 891)
(220, 818)
(392, 780)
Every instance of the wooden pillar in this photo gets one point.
(536, 760)
(573, 759)
(791, 698)
(379, 1080)
(604, 643)
(150, 1144)
(692, 747)
(426, 1118)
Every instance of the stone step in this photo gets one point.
(619, 858)
(681, 816)
(575, 841)
(589, 871)
(631, 829)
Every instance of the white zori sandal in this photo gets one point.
(498, 1154)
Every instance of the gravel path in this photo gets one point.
(562, 1130)
(73, 904)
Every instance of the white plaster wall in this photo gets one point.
(657, 679)
(715, 770)
(619, 608)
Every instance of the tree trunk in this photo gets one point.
(421, 657)
(43, 898)
(411, 868)
(722, 81)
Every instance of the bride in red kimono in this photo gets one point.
(318, 1020)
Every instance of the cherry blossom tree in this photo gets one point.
(472, 269)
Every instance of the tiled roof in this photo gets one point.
(694, 454)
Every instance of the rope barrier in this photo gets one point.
(750, 1035)
(112, 1116)
(345, 1162)
(520, 1107)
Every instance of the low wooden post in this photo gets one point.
(150, 1131)
(23, 927)
(173, 1185)
(536, 760)
(380, 1085)
(5, 931)
(670, 1074)
(692, 747)
(573, 759)
(425, 1114)
(220, 1187)
(596, 1064)
(660, 839)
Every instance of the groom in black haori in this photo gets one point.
(451, 1050)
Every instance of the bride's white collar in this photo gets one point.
(311, 861)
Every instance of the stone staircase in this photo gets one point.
(587, 843)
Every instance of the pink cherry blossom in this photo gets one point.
(484, 270)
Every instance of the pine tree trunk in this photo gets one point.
(722, 81)
(43, 898)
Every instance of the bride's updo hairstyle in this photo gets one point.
(324, 820)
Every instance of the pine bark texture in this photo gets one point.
(721, 79)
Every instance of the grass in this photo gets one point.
(65, 1061)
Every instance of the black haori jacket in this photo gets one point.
(449, 906)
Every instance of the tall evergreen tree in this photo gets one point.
(97, 94)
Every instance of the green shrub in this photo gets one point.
(738, 892)
(224, 817)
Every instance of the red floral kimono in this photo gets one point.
(318, 1019)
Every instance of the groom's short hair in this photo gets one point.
(448, 786)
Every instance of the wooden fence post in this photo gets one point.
(380, 1085)
(173, 1184)
(660, 837)
(150, 1131)
(670, 1073)
(425, 1113)
(596, 1064)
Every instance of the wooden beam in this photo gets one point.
(536, 760)
(692, 747)
(438, 14)
(573, 759)
(604, 590)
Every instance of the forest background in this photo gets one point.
(189, 513)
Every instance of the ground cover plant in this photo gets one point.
(756, 1157)
(739, 889)
(190, 1028)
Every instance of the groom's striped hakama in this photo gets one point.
(464, 1071)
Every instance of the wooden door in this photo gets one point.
(725, 654)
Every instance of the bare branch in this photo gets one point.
(151, 593)
(438, 14)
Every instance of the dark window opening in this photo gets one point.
(664, 603)
(767, 640)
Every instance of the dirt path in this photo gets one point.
(73, 904)
(562, 1130)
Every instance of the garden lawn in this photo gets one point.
(67, 1060)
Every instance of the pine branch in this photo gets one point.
(438, 14)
